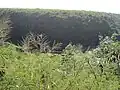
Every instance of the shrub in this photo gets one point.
(5, 29)
(71, 70)
(56, 47)
(40, 43)
(36, 42)
(108, 53)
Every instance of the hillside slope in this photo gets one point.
(62, 25)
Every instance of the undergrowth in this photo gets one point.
(70, 70)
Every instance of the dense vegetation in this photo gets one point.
(38, 64)
(97, 69)
(62, 25)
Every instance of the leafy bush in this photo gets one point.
(5, 28)
(34, 42)
(56, 47)
(108, 53)
(71, 70)
(39, 43)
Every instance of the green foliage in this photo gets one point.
(109, 48)
(108, 54)
(5, 28)
(71, 70)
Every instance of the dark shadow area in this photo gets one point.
(65, 30)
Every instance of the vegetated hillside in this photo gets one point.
(32, 67)
(72, 70)
(62, 25)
